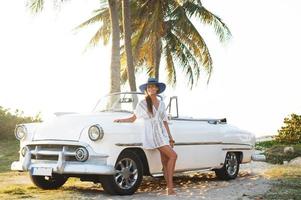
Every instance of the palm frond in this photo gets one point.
(199, 50)
(187, 31)
(170, 67)
(35, 6)
(182, 54)
(103, 33)
(102, 15)
(139, 36)
(221, 29)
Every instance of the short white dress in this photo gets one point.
(155, 134)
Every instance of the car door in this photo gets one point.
(198, 142)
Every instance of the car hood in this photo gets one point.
(70, 126)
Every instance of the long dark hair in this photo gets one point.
(149, 102)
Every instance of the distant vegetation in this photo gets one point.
(9, 120)
(290, 133)
(277, 153)
(288, 136)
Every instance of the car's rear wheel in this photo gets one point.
(230, 168)
(49, 182)
(128, 177)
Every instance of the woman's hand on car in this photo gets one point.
(117, 120)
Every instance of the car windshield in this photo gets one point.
(119, 102)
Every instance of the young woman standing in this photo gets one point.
(157, 133)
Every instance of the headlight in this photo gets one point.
(20, 132)
(81, 154)
(95, 132)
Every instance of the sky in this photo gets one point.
(255, 81)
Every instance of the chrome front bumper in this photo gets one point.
(94, 166)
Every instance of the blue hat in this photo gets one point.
(161, 86)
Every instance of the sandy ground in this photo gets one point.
(250, 184)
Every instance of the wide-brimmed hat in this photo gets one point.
(160, 85)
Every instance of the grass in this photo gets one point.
(9, 149)
(286, 182)
(30, 192)
(284, 171)
(73, 189)
(285, 179)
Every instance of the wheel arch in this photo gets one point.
(142, 156)
(239, 154)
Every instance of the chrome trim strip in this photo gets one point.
(185, 171)
(197, 143)
(226, 149)
(238, 144)
(128, 144)
(187, 143)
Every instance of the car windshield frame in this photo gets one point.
(103, 104)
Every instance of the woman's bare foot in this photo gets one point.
(170, 191)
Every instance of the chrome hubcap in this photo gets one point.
(231, 163)
(126, 173)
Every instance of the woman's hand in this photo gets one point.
(172, 143)
(117, 120)
(129, 119)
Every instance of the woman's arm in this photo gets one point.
(171, 140)
(129, 119)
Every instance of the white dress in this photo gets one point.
(155, 134)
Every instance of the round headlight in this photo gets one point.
(81, 154)
(95, 132)
(20, 132)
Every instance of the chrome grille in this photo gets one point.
(51, 152)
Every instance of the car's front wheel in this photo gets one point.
(128, 177)
(230, 168)
(49, 182)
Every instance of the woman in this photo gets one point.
(155, 136)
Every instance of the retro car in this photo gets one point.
(92, 147)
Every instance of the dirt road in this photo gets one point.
(250, 184)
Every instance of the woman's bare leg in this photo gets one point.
(172, 157)
(164, 161)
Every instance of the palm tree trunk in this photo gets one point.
(157, 59)
(115, 52)
(126, 12)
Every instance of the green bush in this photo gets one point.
(8, 121)
(276, 154)
(265, 144)
(290, 133)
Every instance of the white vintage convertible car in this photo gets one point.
(94, 148)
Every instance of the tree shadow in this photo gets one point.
(157, 184)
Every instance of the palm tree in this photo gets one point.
(164, 28)
(111, 25)
(101, 16)
(115, 55)
(126, 13)
(167, 27)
